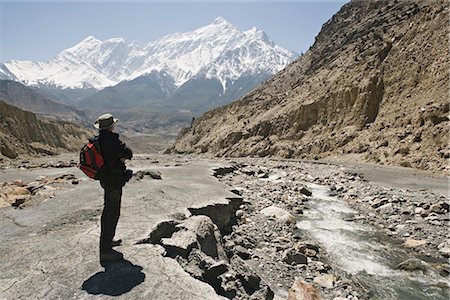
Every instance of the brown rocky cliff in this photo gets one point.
(23, 133)
(372, 88)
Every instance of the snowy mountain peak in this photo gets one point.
(219, 50)
(258, 34)
(88, 42)
(89, 39)
(220, 20)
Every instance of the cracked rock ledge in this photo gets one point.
(196, 242)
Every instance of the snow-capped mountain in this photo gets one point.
(219, 51)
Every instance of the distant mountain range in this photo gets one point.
(192, 71)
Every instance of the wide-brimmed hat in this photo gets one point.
(105, 121)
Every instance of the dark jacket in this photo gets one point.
(113, 150)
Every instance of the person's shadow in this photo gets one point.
(118, 278)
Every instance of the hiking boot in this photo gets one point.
(110, 256)
(115, 243)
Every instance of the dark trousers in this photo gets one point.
(110, 217)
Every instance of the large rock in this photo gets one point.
(7, 150)
(326, 281)
(412, 243)
(293, 257)
(279, 213)
(194, 232)
(385, 209)
(444, 248)
(412, 264)
(303, 291)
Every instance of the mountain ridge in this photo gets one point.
(98, 64)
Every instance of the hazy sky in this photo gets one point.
(38, 30)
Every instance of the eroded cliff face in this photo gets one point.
(372, 88)
(22, 133)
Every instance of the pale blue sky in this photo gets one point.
(37, 30)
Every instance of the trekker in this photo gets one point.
(114, 176)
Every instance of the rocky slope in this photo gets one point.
(23, 133)
(372, 88)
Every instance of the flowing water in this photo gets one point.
(365, 253)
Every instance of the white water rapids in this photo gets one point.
(361, 251)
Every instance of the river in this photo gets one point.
(368, 255)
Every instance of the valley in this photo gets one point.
(258, 173)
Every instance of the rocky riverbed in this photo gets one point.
(268, 238)
(277, 195)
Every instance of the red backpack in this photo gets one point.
(91, 159)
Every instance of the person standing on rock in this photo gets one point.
(114, 177)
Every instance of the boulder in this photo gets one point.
(412, 243)
(444, 249)
(279, 213)
(8, 151)
(412, 264)
(385, 209)
(303, 291)
(293, 257)
(153, 174)
(305, 191)
(180, 243)
(326, 281)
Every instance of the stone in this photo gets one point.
(412, 264)
(379, 202)
(412, 243)
(217, 269)
(305, 192)
(326, 281)
(307, 248)
(19, 191)
(444, 269)
(279, 213)
(249, 280)
(401, 228)
(194, 232)
(207, 235)
(310, 253)
(238, 191)
(301, 290)
(7, 151)
(153, 174)
(239, 213)
(418, 210)
(444, 249)
(436, 207)
(180, 243)
(4, 203)
(19, 182)
(34, 186)
(293, 257)
(241, 252)
(385, 209)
